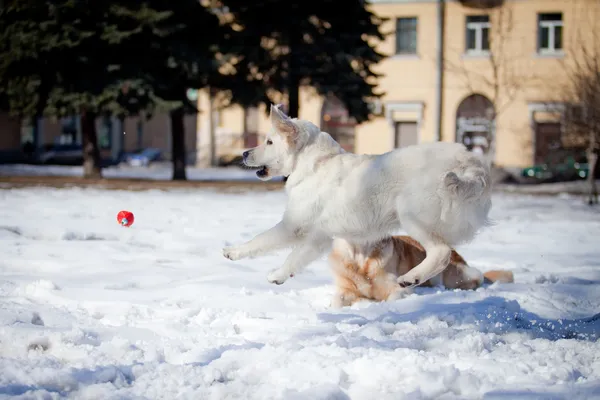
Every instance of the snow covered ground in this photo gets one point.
(92, 310)
(156, 171)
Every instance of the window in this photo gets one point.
(105, 133)
(68, 130)
(406, 35)
(550, 29)
(28, 128)
(407, 133)
(478, 34)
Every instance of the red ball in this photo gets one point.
(125, 218)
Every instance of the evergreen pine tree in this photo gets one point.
(58, 58)
(119, 58)
(176, 48)
(180, 53)
(313, 43)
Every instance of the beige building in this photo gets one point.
(495, 85)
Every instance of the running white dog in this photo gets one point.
(439, 193)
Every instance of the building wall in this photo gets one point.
(10, 133)
(408, 79)
(526, 78)
(50, 130)
(131, 140)
(156, 133)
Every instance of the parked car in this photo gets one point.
(573, 168)
(142, 157)
(62, 154)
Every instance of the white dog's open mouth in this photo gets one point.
(263, 171)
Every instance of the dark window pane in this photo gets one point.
(544, 38)
(105, 133)
(551, 17)
(470, 39)
(485, 39)
(478, 18)
(558, 37)
(406, 35)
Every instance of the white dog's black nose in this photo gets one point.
(245, 154)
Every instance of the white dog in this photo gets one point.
(439, 193)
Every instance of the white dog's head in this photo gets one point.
(277, 155)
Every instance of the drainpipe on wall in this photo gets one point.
(439, 81)
(212, 127)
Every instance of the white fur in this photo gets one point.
(439, 193)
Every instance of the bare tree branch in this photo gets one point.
(581, 91)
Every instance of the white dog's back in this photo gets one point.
(442, 184)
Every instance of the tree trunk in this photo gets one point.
(592, 156)
(293, 79)
(91, 153)
(178, 144)
(293, 99)
(121, 137)
(43, 93)
(293, 96)
(293, 89)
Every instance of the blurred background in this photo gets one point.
(158, 99)
(127, 87)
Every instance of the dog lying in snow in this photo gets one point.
(439, 193)
(370, 271)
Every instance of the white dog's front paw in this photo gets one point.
(232, 253)
(409, 280)
(278, 276)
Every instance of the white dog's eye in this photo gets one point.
(269, 141)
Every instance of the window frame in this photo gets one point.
(552, 26)
(477, 27)
(105, 133)
(398, 51)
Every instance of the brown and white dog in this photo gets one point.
(370, 272)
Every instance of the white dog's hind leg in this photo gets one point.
(276, 238)
(437, 255)
(307, 252)
(435, 262)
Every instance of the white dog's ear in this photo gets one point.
(282, 123)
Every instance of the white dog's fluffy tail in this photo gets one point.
(467, 195)
(469, 179)
(469, 186)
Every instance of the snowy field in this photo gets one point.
(156, 171)
(92, 310)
